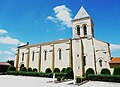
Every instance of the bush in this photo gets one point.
(69, 72)
(35, 70)
(105, 71)
(56, 70)
(48, 70)
(63, 78)
(59, 78)
(11, 68)
(116, 71)
(29, 69)
(24, 69)
(107, 78)
(78, 79)
(63, 70)
(89, 71)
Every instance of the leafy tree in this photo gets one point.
(11, 62)
(11, 68)
(116, 70)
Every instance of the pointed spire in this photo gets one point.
(81, 14)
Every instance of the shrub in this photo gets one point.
(69, 72)
(35, 70)
(105, 71)
(89, 71)
(107, 78)
(11, 68)
(63, 78)
(59, 78)
(24, 69)
(12, 73)
(63, 70)
(48, 70)
(56, 70)
(116, 71)
(29, 69)
(78, 79)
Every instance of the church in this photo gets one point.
(80, 52)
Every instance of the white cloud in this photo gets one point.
(114, 47)
(52, 19)
(2, 31)
(9, 40)
(13, 50)
(6, 52)
(63, 15)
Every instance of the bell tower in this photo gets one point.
(82, 25)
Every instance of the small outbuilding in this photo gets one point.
(114, 62)
(4, 67)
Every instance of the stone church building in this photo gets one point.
(80, 52)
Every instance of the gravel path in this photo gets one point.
(21, 81)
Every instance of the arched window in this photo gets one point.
(78, 30)
(100, 62)
(22, 56)
(45, 55)
(60, 54)
(85, 29)
(33, 54)
(84, 61)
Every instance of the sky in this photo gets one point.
(37, 21)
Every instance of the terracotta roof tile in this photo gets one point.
(115, 60)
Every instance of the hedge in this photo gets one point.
(106, 78)
(69, 72)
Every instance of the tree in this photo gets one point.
(11, 62)
(116, 70)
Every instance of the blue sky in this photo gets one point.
(37, 21)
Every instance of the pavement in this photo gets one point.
(22, 81)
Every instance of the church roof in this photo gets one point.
(115, 60)
(81, 14)
(4, 64)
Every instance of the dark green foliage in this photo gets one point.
(116, 71)
(48, 70)
(35, 70)
(11, 68)
(78, 79)
(58, 78)
(63, 70)
(105, 71)
(56, 70)
(89, 71)
(29, 69)
(24, 69)
(106, 78)
(69, 72)
(11, 62)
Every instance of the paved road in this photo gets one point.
(19, 81)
